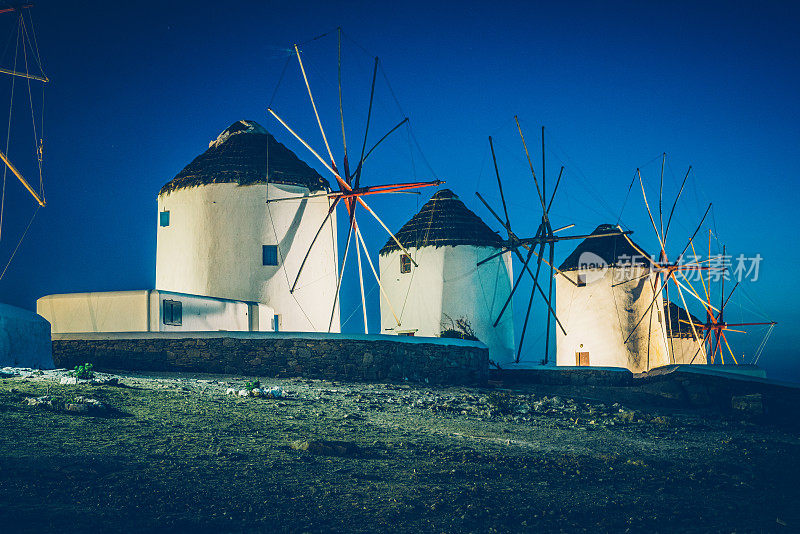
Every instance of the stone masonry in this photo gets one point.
(334, 358)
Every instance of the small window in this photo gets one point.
(163, 218)
(276, 323)
(172, 313)
(405, 264)
(581, 280)
(269, 255)
(409, 334)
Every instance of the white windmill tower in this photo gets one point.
(218, 236)
(447, 241)
(608, 285)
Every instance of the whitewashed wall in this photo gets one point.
(213, 246)
(200, 314)
(24, 339)
(110, 311)
(684, 350)
(598, 318)
(448, 283)
(142, 311)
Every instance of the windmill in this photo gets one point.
(27, 65)
(716, 326)
(350, 189)
(665, 270)
(545, 236)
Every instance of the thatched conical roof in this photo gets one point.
(615, 250)
(444, 220)
(240, 155)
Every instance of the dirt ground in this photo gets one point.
(177, 452)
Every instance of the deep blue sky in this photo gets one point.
(138, 91)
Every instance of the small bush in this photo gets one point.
(249, 386)
(458, 329)
(83, 372)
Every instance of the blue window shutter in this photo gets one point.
(269, 255)
(164, 218)
(172, 312)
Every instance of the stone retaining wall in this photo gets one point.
(566, 376)
(333, 357)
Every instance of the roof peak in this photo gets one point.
(444, 221)
(239, 127)
(616, 250)
(444, 193)
(245, 153)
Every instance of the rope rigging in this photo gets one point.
(26, 56)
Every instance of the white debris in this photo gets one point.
(76, 407)
(94, 403)
(40, 401)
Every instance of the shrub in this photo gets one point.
(249, 386)
(83, 372)
(458, 329)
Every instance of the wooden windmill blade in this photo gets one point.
(346, 162)
(22, 180)
(530, 301)
(331, 208)
(341, 271)
(369, 116)
(663, 253)
(550, 280)
(499, 183)
(530, 164)
(661, 195)
(553, 196)
(41, 77)
(314, 106)
(674, 204)
(514, 287)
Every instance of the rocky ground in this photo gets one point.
(143, 452)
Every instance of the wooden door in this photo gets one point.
(582, 359)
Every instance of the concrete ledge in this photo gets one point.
(706, 387)
(281, 354)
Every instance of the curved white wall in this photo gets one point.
(448, 283)
(598, 318)
(24, 339)
(213, 247)
(686, 350)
